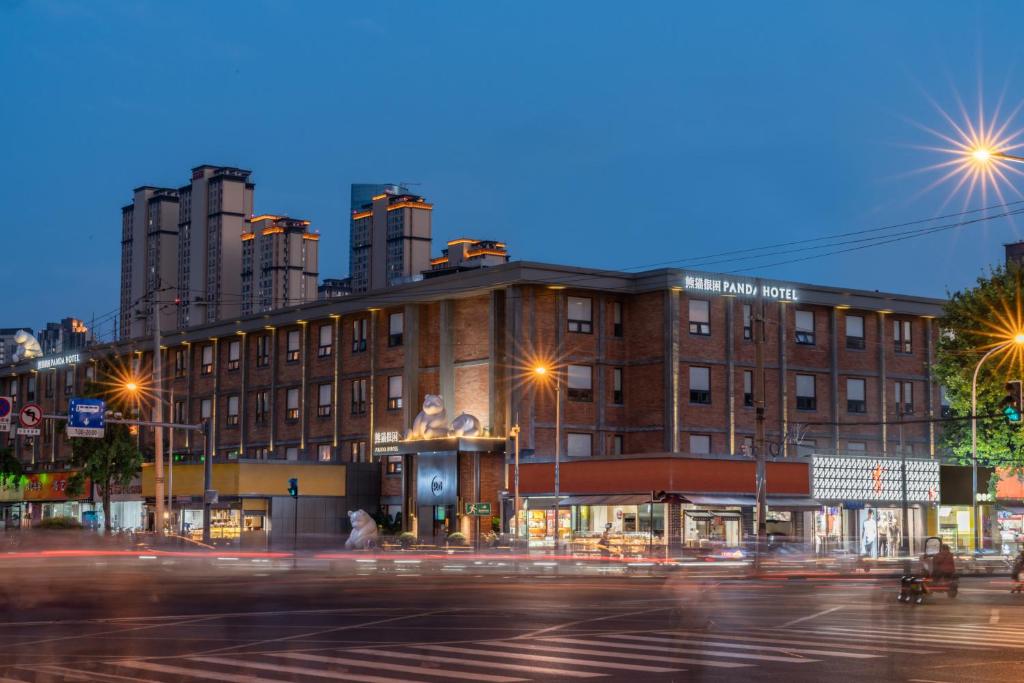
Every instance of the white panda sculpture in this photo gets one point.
(432, 422)
(364, 531)
(465, 425)
(28, 346)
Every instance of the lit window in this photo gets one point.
(395, 392)
(854, 332)
(806, 399)
(326, 335)
(292, 405)
(325, 400)
(294, 350)
(805, 327)
(263, 350)
(358, 396)
(580, 315)
(855, 402)
(207, 364)
(234, 354)
(396, 328)
(580, 383)
(394, 465)
(700, 317)
(324, 452)
(700, 385)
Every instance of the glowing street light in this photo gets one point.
(541, 372)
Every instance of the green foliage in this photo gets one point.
(112, 460)
(457, 538)
(10, 467)
(58, 523)
(973, 322)
(406, 539)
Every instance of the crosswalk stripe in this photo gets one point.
(788, 641)
(913, 637)
(404, 668)
(89, 675)
(677, 649)
(619, 655)
(465, 662)
(707, 641)
(1013, 634)
(303, 670)
(548, 658)
(194, 673)
(930, 632)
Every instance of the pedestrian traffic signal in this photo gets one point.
(293, 488)
(1011, 405)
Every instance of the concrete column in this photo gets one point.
(783, 311)
(671, 370)
(411, 371)
(730, 370)
(447, 352)
(834, 376)
(882, 407)
(497, 365)
(561, 322)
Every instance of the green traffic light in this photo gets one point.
(1011, 413)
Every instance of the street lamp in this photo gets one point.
(1018, 339)
(542, 371)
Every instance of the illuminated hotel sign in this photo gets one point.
(58, 361)
(386, 442)
(718, 285)
(873, 479)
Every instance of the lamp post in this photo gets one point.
(1019, 340)
(515, 502)
(542, 371)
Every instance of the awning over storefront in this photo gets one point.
(542, 502)
(781, 503)
(711, 514)
(723, 501)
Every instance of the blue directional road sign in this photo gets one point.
(5, 413)
(85, 417)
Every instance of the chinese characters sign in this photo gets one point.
(719, 285)
(873, 479)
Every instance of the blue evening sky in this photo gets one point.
(603, 134)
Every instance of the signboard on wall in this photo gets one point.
(385, 442)
(50, 486)
(437, 478)
(873, 479)
(717, 284)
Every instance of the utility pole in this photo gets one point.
(158, 416)
(759, 436)
(905, 539)
(207, 482)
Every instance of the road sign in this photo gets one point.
(30, 416)
(5, 413)
(478, 509)
(86, 417)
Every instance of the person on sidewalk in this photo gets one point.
(604, 544)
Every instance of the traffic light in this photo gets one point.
(293, 486)
(1011, 405)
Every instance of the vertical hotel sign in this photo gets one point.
(739, 287)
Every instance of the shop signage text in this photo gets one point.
(58, 361)
(873, 479)
(716, 285)
(50, 486)
(386, 442)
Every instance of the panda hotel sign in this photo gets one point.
(720, 285)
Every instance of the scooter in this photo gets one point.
(914, 588)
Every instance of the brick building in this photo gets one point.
(655, 368)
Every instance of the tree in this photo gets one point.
(974, 322)
(10, 467)
(112, 460)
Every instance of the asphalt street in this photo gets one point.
(250, 619)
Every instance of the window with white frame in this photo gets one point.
(580, 383)
(805, 327)
(700, 385)
(855, 392)
(806, 397)
(292, 404)
(232, 416)
(617, 395)
(904, 395)
(901, 336)
(234, 354)
(207, 364)
(395, 392)
(579, 445)
(580, 314)
(360, 332)
(700, 444)
(700, 317)
(326, 341)
(325, 400)
(294, 349)
(855, 332)
(396, 329)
